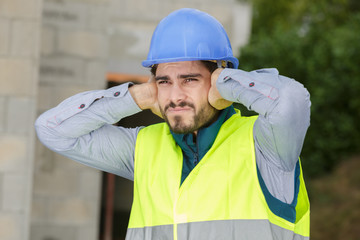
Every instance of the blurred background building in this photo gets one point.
(50, 50)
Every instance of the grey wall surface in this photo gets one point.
(20, 27)
(74, 44)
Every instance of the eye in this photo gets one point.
(162, 82)
(190, 80)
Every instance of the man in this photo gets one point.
(207, 172)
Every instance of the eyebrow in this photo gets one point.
(190, 75)
(161, 78)
(182, 76)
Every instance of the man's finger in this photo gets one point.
(151, 79)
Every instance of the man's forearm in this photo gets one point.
(81, 129)
(283, 106)
(85, 112)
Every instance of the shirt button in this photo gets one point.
(227, 78)
(82, 106)
(251, 84)
(116, 94)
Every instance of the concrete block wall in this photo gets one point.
(20, 26)
(65, 198)
(66, 195)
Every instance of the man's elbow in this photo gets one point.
(50, 138)
(294, 105)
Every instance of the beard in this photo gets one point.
(204, 117)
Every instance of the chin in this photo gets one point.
(183, 130)
(179, 126)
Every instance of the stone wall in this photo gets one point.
(66, 195)
(20, 24)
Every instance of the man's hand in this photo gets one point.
(145, 96)
(214, 97)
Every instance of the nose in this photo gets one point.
(177, 94)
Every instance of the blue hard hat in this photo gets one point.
(188, 35)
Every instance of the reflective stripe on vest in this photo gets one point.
(233, 229)
(220, 199)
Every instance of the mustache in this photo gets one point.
(181, 104)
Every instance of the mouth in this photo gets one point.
(179, 109)
(182, 107)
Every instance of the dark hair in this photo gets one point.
(153, 69)
(211, 66)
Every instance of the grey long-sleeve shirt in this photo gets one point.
(81, 127)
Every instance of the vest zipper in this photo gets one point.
(195, 154)
(196, 158)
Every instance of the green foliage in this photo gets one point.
(318, 44)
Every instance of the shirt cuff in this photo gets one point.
(121, 103)
(114, 103)
(232, 82)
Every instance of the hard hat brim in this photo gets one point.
(150, 63)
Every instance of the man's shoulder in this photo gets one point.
(156, 129)
(238, 118)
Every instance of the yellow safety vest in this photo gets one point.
(221, 198)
